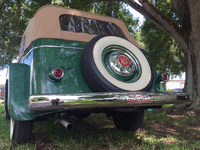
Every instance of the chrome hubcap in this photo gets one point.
(122, 63)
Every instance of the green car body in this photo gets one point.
(97, 73)
(33, 68)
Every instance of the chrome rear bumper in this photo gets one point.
(104, 100)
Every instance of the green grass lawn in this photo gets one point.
(159, 131)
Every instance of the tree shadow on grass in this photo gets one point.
(99, 132)
(173, 128)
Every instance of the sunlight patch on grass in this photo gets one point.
(167, 105)
(167, 142)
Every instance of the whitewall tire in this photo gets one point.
(112, 63)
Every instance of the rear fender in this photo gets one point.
(19, 91)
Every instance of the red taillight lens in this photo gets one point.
(58, 73)
(164, 76)
(55, 75)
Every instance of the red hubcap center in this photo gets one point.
(123, 60)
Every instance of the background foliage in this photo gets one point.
(165, 53)
(15, 14)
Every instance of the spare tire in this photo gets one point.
(114, 64)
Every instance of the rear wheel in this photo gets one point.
(20, 131)
(128, 121)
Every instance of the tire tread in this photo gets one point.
(22, 131)
(130, 121)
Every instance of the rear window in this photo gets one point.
(90, 26)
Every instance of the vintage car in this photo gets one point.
(77, 63)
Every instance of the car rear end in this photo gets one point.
(49, 77)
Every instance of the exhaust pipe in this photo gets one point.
(66, 124)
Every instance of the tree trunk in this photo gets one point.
(193, 55)
(193, 72)
(188, 75)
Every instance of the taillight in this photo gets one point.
(58, 73)
(161, 77)
(55, 75)
(164, 77)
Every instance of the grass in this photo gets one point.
(159, 131)
(4, 129)
(167, 105)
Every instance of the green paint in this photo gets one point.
(36, 65)
(157, 86)
(18, 91)
(69, 60)
(30, 78)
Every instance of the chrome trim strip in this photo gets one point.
(103, 100)
(51, 46)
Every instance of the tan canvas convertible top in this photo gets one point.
(45, 24)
